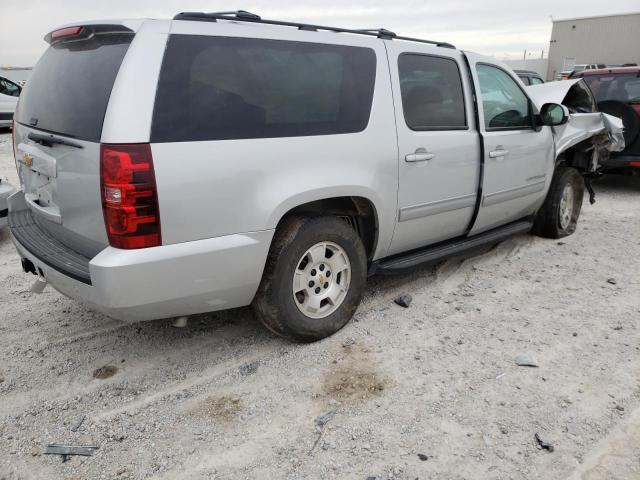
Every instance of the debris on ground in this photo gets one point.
(320, 422)
(249, 369)
(543, 445)
(403, 300)
(323, 419)
(525, 361)
(66, 450)
(423, 457)
(78, 423)
(105, 372)
(612, 281)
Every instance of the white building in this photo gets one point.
(610, 39)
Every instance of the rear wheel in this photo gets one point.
(559, 214)
(313, 279)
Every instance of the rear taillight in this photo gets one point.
(129, 196)
(636, 107)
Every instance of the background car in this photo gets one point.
(529, 77)
(6, 189)
(617, 92)
(9, 93)
(581, 67)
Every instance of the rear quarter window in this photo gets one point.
(221, 88)
(432, 95)
(69, 89)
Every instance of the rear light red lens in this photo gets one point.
(129, 196)
(636, 107)
(634, 164)
(66, 32)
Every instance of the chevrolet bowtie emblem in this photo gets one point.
(27, 159)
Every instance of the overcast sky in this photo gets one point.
(502, 28)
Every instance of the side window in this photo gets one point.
(536, 81)
(525, 80)
(9, 88)
(223, 88)
(432, 95)
(504, 103)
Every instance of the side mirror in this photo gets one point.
(554, 114)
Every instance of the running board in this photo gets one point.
(453, 247)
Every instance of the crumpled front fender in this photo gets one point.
(606, 130)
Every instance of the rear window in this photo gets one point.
(69, 89)
(221, 88)
(624, 88)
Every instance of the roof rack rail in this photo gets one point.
(244, 16)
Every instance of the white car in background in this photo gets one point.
(9, 93)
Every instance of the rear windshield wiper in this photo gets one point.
(49, 140)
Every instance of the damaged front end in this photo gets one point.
(587, 130)
(589, 136)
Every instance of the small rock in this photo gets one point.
(249, 369)
(575, 334)
(612, 281)
(620, 408)
(525, 361)
(105, 372)
(618, 327)
(403, 300)
(423, 457)
(542, 444)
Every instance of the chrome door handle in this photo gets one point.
(419, 157)
(498, 153)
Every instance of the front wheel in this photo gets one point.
(559, 214)
(313, 279)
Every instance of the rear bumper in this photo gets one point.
(621, 162)
(167, 281)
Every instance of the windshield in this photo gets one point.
(624, 88)
(69, 88)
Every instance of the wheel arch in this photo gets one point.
(360, 211)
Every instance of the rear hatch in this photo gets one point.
(58, 129)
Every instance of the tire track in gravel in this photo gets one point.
(146, 364)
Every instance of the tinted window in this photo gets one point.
(69, 89)
(524, 79)
(623, 88)
(217, 88)
(536, 81)
(9, 88)
(504, 104)
(432, 96)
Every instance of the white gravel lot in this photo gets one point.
(428, 392)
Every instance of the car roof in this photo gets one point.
(527, 72)
(600, 71)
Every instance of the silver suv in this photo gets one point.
(172, 167)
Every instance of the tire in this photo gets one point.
(556, 219)
(309, 315)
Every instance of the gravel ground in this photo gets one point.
(431, 391)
